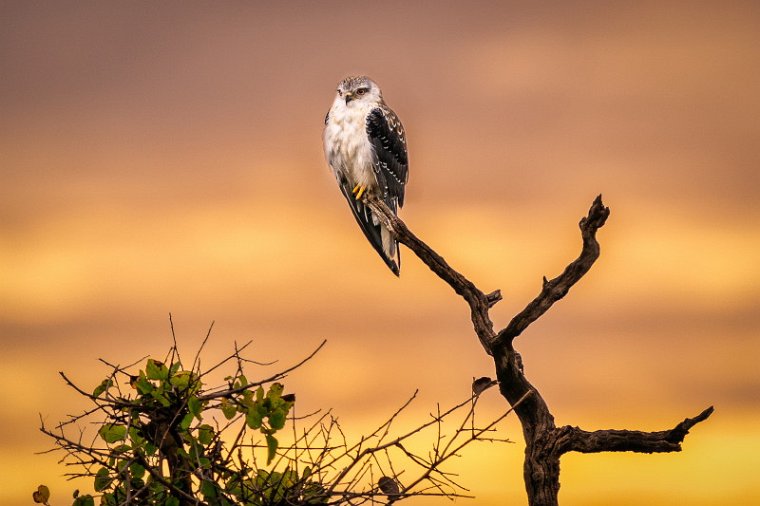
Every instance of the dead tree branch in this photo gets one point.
(545, 442)
(478, 301)
(558, 287)
(577, 440)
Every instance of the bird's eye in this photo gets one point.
(362, 91)
(340, 93)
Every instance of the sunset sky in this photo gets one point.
(166, 157)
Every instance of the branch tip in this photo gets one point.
(493, 297)
(597, 216)
(679, 432)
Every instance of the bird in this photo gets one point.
(480, 385)
(365, 146)
(388, 486)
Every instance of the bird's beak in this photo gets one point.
(349, 97)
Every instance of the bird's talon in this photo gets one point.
(360, 192)
(356, 188)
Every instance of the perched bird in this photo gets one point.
(388, 486)
(365, 147)
(480, 385)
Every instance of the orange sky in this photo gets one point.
(167, 158)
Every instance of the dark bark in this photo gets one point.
(545, 443)
(162, 432)
(478, 301)
(578, 440)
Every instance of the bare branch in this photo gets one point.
(577, 440)
(196, 359)
(231, 391)
(555, 289)
(545, 443)
(478, 301)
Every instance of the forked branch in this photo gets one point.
(545, 443)
(555, 289)
(479, 302)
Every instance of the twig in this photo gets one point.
(555, 289)
(231, 391)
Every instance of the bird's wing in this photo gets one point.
(369, 225)
(386, 134)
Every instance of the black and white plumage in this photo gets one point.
(365, 146)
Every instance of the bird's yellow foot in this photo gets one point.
(358, 191)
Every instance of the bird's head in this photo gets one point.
(359, 89)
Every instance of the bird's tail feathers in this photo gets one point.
(378, 236)
(390, 248)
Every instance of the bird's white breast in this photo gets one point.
(346, 144)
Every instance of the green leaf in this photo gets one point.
(171, 501)
(107, 500)
(150, 449)
(104, 385)
(208, 489)
(277, 419)
(143, 385)
(181, 380)
(186, 421)
(247, 400)
(85, 500)
(205, 434)
(271, 448)
(228, 409)
(195, 406)
(241, 381)
(137, 483)
(275, 391)
(122, 448)
(289, 478)
(156, 370)
(182, 453)
(254, 417)
(102, 479)
(111, 432)
(137, 470)
(161, 398)
(134, 435)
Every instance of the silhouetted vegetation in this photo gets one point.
(164, 436)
